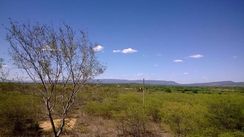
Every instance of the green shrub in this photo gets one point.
(132, 122)
(19, 115)
(231, 134)
(17, 87)
(195, 91)
(191, 115)
(183, 119)
(168, 90)
(152, 108)
(103, 109)
(108, 106)
(227, 114)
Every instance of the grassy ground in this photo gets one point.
(118, 110)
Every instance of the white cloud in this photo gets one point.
(196, 56)
(125, 51)
(116, 51)
(128, 50)
(186, 73)
(98, 48)
(178, 61)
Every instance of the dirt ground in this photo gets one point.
(47, 127)
(87, 126)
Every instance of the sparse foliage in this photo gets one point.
(3, 71)
(58, 58)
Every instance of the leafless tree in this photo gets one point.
(60, 59)
(3, 72)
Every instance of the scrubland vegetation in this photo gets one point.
(167, 111)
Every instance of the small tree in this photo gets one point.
(61, 60)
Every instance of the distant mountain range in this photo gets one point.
(166, 83)
(219, 83)
(123, 81)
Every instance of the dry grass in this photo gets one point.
(90, 126)
(46, 125)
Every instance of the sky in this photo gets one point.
(186, 41)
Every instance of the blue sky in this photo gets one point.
(184, 41)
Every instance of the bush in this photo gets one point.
(231, 134)
(195, 91)
(19, 115)
(108, 106)
(183, 119)
(227, 114)
(152, 108)
(126, 109)
(132, 122)
(191, 115)
(103, 109)
(168, 90)
(17, 87)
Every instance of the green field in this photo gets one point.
(121, 111)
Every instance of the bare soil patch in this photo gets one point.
(47, 127)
